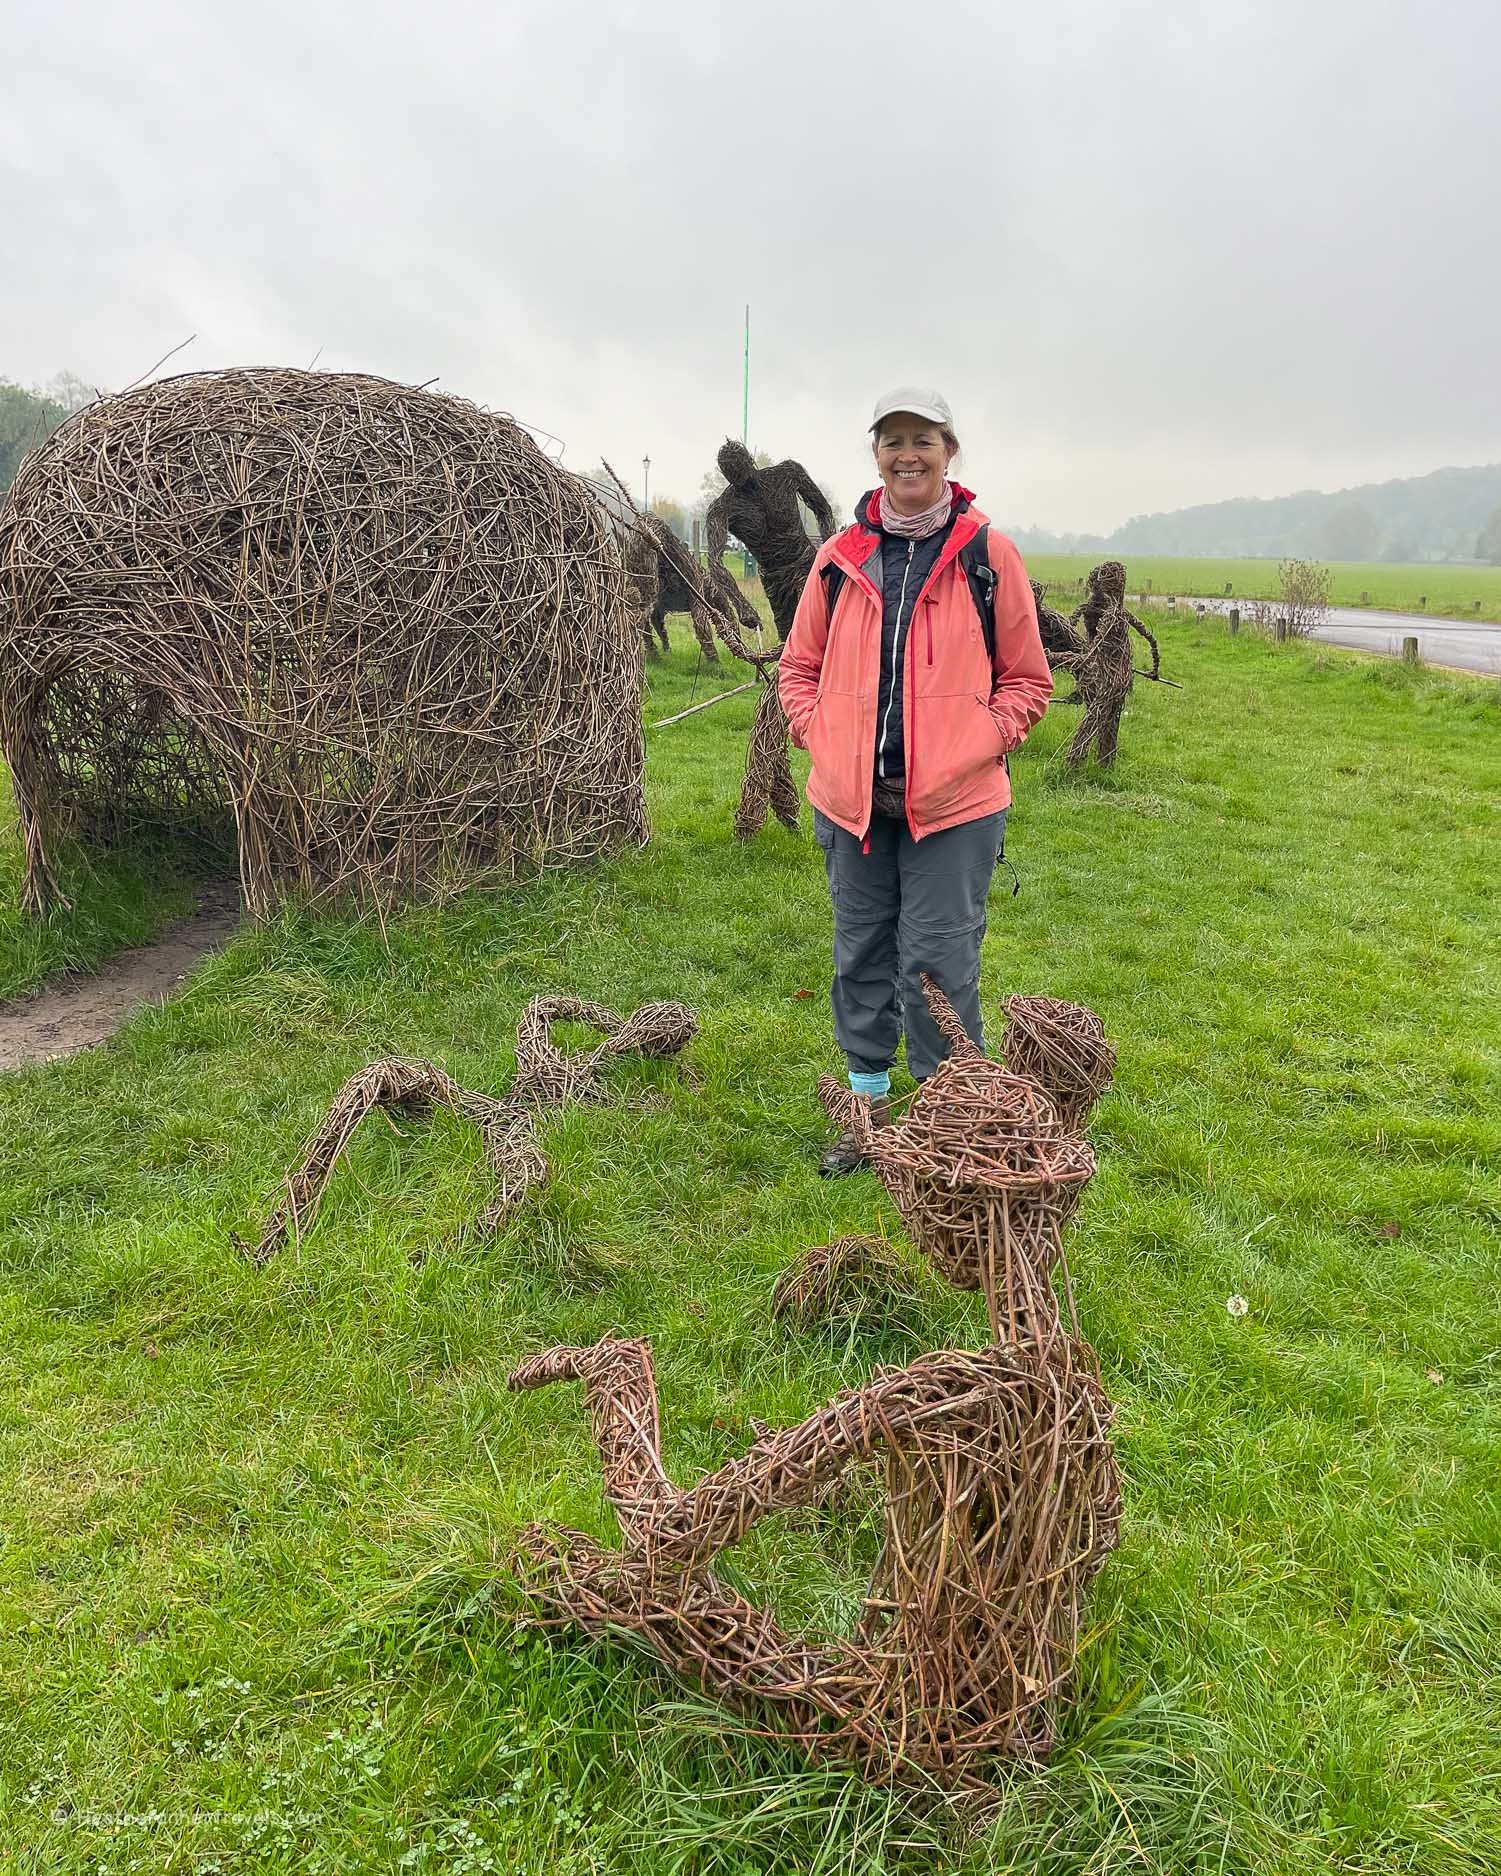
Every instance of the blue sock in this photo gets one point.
(872, 1085)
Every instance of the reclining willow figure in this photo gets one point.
(1002, 1497)
(1001, 1503)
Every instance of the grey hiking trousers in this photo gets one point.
(905, 907)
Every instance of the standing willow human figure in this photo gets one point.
(1102, 665)
(763, 508)
(913, 668)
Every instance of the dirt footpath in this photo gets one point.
(80, 1011)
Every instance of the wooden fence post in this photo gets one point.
(1410, 650)
(1279, 632)
(1234, 620)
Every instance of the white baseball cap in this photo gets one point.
(930, 404)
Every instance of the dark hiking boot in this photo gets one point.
(846, 1155)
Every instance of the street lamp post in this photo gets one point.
(646, 482)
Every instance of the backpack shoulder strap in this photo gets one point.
(974, 557)
(833, 585)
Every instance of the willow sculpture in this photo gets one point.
(373, 630)
(761, 508)
(675, 595)
(850, 1278)
(643, 585)
(546, 1077)
(1063, 1048)
(1103, 670)
(1059, 638)
(409, 1088)
(680, 588)
(1001, 1500)
(663, 576)
(986, 1166)
(1000, 1504)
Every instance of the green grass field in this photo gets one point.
(1449, 591)
(255, 1524)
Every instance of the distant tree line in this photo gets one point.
(1452, 514)
(26, 417)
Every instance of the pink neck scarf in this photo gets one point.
(916, 527)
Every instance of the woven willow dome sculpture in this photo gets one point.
(374, 629)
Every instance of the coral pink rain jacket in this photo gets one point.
(961, 711)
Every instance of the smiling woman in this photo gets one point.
(912, 458)
(913, 667)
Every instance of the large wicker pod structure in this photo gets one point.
(375, 627)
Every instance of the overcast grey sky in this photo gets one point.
(1154, 252)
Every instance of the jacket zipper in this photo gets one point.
(896, 658)
(909, 750)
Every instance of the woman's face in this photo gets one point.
(912, 459)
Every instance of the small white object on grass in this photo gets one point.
(1237, 1305)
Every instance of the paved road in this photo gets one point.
(1458, 645)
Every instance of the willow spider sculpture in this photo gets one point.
(1002, 1501)
(546, 1077)
(1103, 669)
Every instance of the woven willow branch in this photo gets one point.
(1103, 667)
